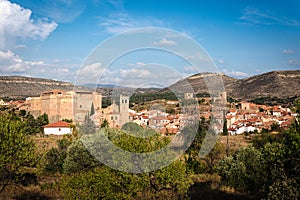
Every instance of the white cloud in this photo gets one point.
(122, 22)
(165, 42)
(16, 22)
(294, 62)
(11, 63)
(254, 16)
(135, 73)
(118, 23)
(288, 51)
(235, 73)
(90, 73)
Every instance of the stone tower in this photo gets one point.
(124, 106)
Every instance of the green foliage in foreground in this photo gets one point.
(78, 159)
(102, 182)
(272, 169)
(54, 159)
(16, 149)
(244, 171)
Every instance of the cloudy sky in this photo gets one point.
(53, 39)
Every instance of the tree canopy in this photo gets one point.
(16, 148)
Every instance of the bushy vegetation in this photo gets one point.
(53, 160)
(142, 98)
(268, 167)
(16, 149)
(86, 178)
(271, 101)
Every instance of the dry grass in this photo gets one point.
(45, 143)
(29, 193)
(236, 141)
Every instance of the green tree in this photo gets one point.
(225, 130)
(54, 159)
(279, 182)
(22, 113)
(275, 127)
(101, 182)
(194, 163)
(67, 120)
(244, 171)
(214, 156)
(16, 149)
(132, 127)
(297, 106)
(104, 124)
(78, 159)
(30, 124)
(41, 121)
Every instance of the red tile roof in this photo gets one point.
(57, 124)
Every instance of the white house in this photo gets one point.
(144, 120)
(241, 129)
(57, 128)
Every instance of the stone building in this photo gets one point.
(58, 104)
(116, 115)
(77, 105)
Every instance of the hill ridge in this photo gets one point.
(279, 83)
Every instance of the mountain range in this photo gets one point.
(281, 84)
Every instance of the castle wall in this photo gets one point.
(97, 100)
(66, 107)
(34, 105)
(58, 104)
(82, 105)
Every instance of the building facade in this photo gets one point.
(58, 104)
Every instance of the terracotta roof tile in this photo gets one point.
(57, 124)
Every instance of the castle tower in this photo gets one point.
(124, 106)
(223, 96)
(97, 100)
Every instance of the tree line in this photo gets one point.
(267, 168)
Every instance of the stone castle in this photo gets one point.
(77, 105)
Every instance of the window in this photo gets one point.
(80, 106)
(59, 129)
(125, 100)
(112, 118)
(115, 117)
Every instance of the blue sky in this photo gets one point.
(51, 39)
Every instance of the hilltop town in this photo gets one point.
(77, 106)
(52, 128)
